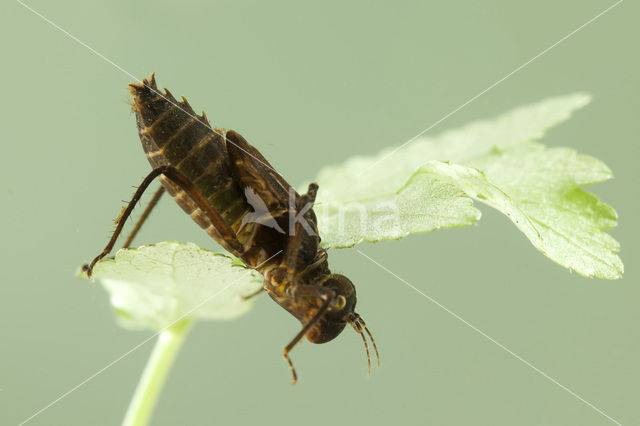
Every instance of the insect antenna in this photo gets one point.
(358, 327)
(373, 341)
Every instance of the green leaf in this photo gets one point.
(537, 188)
(369, 177)
(562, 221)
(425, 203)
(155, 285)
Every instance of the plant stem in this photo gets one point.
(154, 374)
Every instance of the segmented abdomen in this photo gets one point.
(173, 134)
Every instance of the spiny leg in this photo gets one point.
(327, 296)
(145, 214)
(177, 177)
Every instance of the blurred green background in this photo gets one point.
(310, 83)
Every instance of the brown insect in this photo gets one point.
(232, 192)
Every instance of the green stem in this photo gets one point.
(155, 372)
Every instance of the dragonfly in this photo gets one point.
(231, 191)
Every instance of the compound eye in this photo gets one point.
(339, 303)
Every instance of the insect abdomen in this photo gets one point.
(172, 133)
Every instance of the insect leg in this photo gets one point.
(145, 214)
(327, 297)
(177, 177)
(320, 259)
(293, 248)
